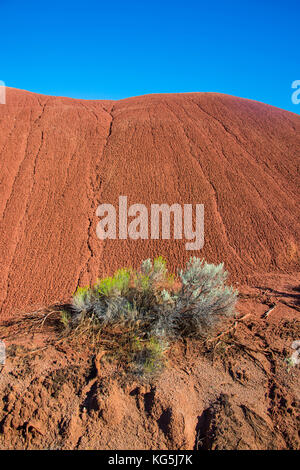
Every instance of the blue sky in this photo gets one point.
(113, 50)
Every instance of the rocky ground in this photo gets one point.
(235, 391)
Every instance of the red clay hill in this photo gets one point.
(61, 158)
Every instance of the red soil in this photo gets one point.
(237, 392)
(62, 157)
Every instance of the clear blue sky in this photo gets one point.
(101, 49)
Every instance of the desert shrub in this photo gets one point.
(150, 307)
(147, 298)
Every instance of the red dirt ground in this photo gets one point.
(233, 392)
(62, 157)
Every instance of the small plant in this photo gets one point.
(65, 318)
(148, 355)
(146, 308)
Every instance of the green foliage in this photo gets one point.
(82, 297)
(142, 282)
(65, 318)
(148, 355)
(116, 285)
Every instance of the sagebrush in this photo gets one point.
(149, 307)
(152, 299)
